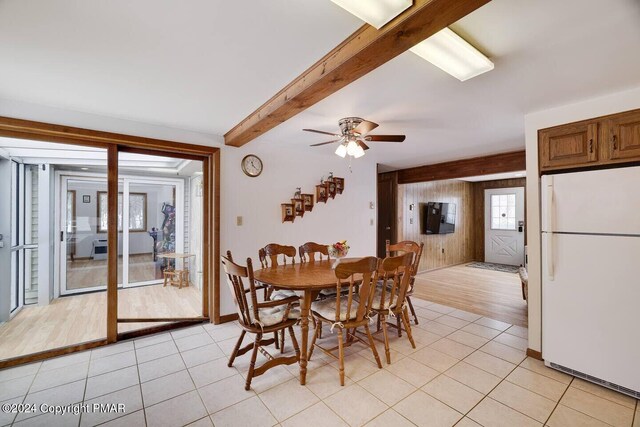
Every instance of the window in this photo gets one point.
(137, 212)
(503, 211)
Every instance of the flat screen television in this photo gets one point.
(439, 218)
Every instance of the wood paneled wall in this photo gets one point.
(443, 249)
(478, 210)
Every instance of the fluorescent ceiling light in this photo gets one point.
(375, 12)
(451, 53)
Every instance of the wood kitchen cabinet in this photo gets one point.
(600, 141)
(624, 136)
(569, 146)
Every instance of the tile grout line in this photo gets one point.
(189, 373)
(144, 412)
(24, 398)
(558, 402)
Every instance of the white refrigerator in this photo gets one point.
(591, 276)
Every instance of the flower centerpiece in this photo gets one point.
(339, 249)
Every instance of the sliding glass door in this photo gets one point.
(161, 243)
(23, 280)
(151, 223)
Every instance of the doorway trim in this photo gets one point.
(115, 143)
(519, 195)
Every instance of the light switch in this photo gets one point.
(238, 220)
(371, 221)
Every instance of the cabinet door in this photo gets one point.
(569, 146)
(624, 136)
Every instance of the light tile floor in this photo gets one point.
(466, 371)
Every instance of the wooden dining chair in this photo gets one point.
(390, 296)
(401, 248)
(348, 312)
(308, 253)
(310, 250)
(273, 255)
(259, 318)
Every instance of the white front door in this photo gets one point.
(504, 225)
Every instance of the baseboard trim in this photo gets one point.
(228, 318)
(534, 353)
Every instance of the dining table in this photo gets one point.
(309, 277)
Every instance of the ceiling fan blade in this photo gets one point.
(365, 127)
(363, 145)
(322, 132)
(385, 138)
(324, 143)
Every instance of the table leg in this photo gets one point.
(305, 305)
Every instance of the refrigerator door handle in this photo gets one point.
(549, 214)
(549, 259)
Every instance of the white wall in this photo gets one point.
(257, 200)
(595, 107)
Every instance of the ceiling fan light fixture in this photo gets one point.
(352, 147)
(341, 150)
(453, 54)
(359, 152)
(376, 13)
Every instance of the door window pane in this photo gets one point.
(137, 212)
(503, 211)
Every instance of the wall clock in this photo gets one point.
(251, 165)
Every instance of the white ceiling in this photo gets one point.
(204, 66)
(193, 64)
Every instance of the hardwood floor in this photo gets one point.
(87, 273)
(80, 318)
(489, 293)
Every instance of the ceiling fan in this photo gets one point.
(354, 136)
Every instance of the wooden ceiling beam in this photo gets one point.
(487, 165)
(362, 52)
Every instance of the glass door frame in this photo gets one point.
(20, 234)
(114, 143)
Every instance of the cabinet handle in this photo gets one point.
(614, 139)
(591, 145)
